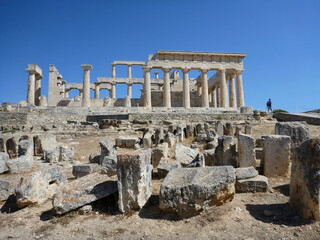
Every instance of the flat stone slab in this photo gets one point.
(256, 184)
(83, 191)
(166, 165)
(185, 155)
(82, 170)
(245, 173)
(127, 142)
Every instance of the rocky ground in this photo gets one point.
(248, 216)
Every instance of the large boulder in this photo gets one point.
(5, 189)
(305, 180)
(298, 131)
(44, 141)
(39, 186)
(166, 165)
(127, 142)
(134, 171)
(83, 191)
(185, 155)
(276, 158)
(188, 191)
(225, 153)
(4, 157)
(246, 151)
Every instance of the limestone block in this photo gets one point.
(159, 135)
(305, 180)
(212, 144)
(238, 130)
(166, 165)
(170, 139)
(66, 154)
(2, 145)
(82, 170)
(5, 189)
(209, 157)
(220, 128)
(20, 164)
(248, 130)
(39, 186)
(246, 172)
(180, 132)
(12, 146)
(190, 130)
(109, 165)
(246, 109)
(256, 184)
(52, 155)
(94, 157)
(25, 147)
(44, 141)
(298, 131)
(134, 171)
(159, 152)
(83, 191)
(147, 140)
(107, 147)
(127, 142)
(225, 153)
(246, 151)
(229, 129)
(199, 161)
(199, 128)
(276, 155)
(185, 155)
(4, 157)
(188, 191)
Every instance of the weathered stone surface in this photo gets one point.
(44, 141)
(159, 152)
(246, 151)
(20, 164)
(12, 146)
(185, 155)
(212, 144)
(52, 155)
(83, 191)
(209, 157)
(276, 155)
(187, 191)
(166, 165)
(298, 131)
(225, 153)
(2, 145)
(109, 165)
(4, 157)
(246, 172)
(37, 187)
(94, 157)
(229, 129)
(159, 135)
(25, 147)
(147, 140)
(66, 154)
(199, 128)
(134, 172)
(305, 180)
(5, 189)
(170, 139)
(248, 129)
(82, 170)
(256, 184)
(199, 161)
(189, 130)
(127, 141)
(220, 127)
(238, 130)
(107, 147)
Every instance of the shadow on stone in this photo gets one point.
(107, 205)
(47, 215)
(280, 214)
(283, 189)
(10, 205)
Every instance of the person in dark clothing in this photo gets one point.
(269, 106)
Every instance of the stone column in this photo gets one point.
(147, 87)
(31, 87)
(129, 92)
(223, 89)
(199, 89)
(113, 90)
(204, 84)
(97, 91)
(113, 70)
(156, 74)
(232, 92)
(38, 90)
(129, 71)
(80, 93)
(86, 85)
(186, 89)
(213, 97)
(240, 97)
(166, 88)
(66, 94)
(218, 97)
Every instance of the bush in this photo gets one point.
(279, 111)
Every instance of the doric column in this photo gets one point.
(113, 90)
(129, 71)
(86, 85)
(232, 91)
(223, 89)
(166, 88)
(240, 97)
(204, 85)
(31, 88)
(129, 91)
(113, 70)
(186, 88)
(199, 89)
(147, 87)
(97, 91)
(213, 97)
(38, 90)
(218, 97)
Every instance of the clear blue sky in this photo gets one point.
(281, 39)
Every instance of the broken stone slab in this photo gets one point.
(4, 157)
(134, 171)
(166, 165)
(185, 155)
(82, 170)
(188, 191)
(6, 189)
(246, 172)
(305, 180)
(225, 152)
(127, 142)
(83, 191)
(39, 186)
(44, 141)
(276, 159)
(159, 152)
(190, 130)
(246, 151)
(298, 131)
(107, 147)
(20, 164)
(251, 185)
(109, 165)
(199, 161)
(199, 128)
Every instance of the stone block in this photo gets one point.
(159, 152)
(4, 157)
(83, 191)
(66, 153)
(94, 157)
(25, 147)
(246, 172)
(127, 142)
(188, 191)
(276, 155)
(134, 171)
(246, 109)
(166, 165)
(42, 142)
(147, 140)
(199, 161)
(246, 151)
(6, 189)
(20, 164)
(298, 131)
(305, 180)
(159, 135)
(109, 165)
(39, 186)
(189, 130)
(248, 130)
(229, 129)
(209, 157)
(220, 128)
(107, 147)
(256, 184)
(225, 153)
(185, 155)
(82, 170)
(170, 139)
(51, 155)
(2, 145)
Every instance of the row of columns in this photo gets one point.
(114, 70)
(34, 87)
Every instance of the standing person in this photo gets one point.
(269, 105)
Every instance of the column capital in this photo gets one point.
(222, 70)
(129, 84)
(239, 71)
(129, 65)
(86, 66)
(39, 77)
(166, 69)
(113, 64)
(31, 71)
(113, 83)
(146, 68)
(204, 71)
(185, 70)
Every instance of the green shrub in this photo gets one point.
(279, 111)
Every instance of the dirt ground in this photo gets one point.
(248, 216)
